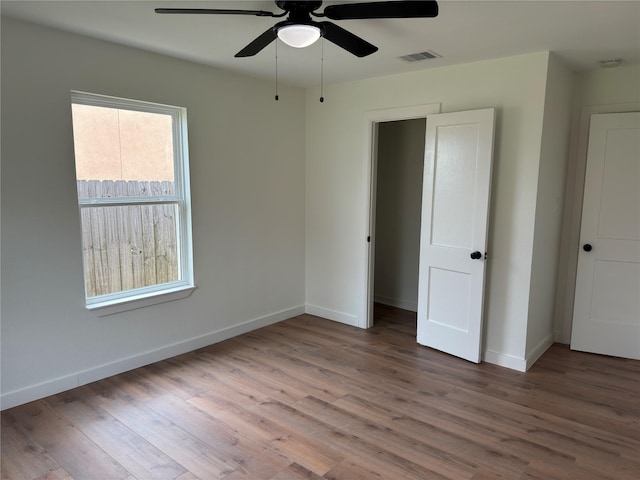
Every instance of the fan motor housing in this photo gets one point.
(292, 5)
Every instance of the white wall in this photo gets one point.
(599, 91)
(337, 186)
(548, 217)
(398, 202)
(248, 210)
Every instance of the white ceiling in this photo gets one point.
(581, 32)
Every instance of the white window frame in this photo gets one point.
(141, 297)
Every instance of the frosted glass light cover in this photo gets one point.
(299, 36)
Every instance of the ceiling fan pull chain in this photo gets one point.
(322, 71)
(277, 97)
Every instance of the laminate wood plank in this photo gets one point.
(430, 457)
(622, 468)
(630, 459)
(209, 369)
(260, 341)
(484, 449)
(304, 339)
(359, 450)
(530, 390)
(582, 368)
(340, 334)
(354, 446)
(500, 411)
(571, 363)
(330, 375)
(239, 376)
(296, 472)
(313, 331)
(424, 366)
(133, 384)
(603, 417)
(22, 458)
(578, 385)
(254, 457)
(489, 430)
(242, 395)
(196, 456)
(172, 376)
(483, 474)
(602, 450)
(517, 433)
(349, 470)
(76, 453)
(58, 474)
(129, 449)
(298, 448)
(289, 373)
(366, 373)
(242, 474)
(191, 476)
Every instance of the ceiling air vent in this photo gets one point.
(417, 57)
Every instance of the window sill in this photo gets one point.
(135, 302)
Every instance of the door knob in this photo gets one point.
(587, 247)
(476, 255)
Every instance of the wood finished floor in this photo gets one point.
(313, 399)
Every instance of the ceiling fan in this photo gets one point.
(300, 30)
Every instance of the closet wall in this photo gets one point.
(398, 205)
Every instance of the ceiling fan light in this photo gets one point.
(299, 36)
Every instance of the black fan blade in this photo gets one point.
(217, 11)
(347, 40)
(258, 44)
(398, 9)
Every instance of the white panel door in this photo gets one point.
(453, 238)
(606, 315)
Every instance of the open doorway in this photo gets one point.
(400, 150)
(373, 120)
(454, 215)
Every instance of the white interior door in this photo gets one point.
(453, 238)
(606, 316)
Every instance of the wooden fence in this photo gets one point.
(127, 247)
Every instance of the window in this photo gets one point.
(133, 191)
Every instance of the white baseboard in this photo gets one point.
(397, 302)
(504, 360)
(517, 363)
(51, 387)
(539, 349)
(334, 315)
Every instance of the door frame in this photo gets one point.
(372, 119)
(574, 193)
